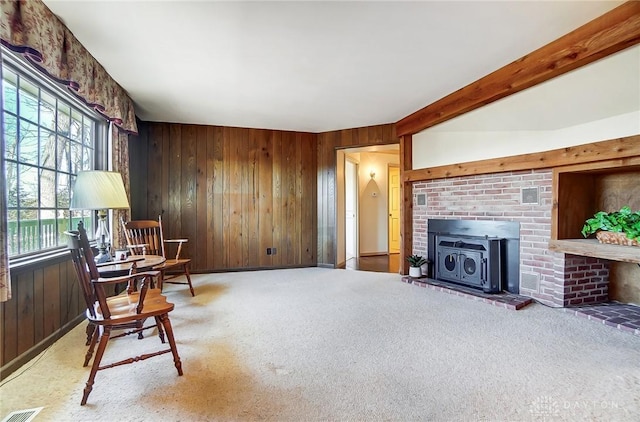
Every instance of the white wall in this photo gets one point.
(597, 102)
(431, 149)
(374, 209)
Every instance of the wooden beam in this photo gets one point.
(406, 205)
(591, 247)
(620, 148)
(612, 32)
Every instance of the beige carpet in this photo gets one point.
(334, 345)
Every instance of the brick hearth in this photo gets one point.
(504, 300)
(622, 316)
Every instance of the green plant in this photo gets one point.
(416, 260)
(624, 221)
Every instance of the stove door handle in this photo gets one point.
(483, 270)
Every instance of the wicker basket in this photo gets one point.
(615, 238)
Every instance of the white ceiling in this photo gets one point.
(308, 66)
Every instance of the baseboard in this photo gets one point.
(240, 269)
(34, 351)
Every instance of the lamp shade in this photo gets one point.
(97, 190)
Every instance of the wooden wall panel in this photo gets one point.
(617, 190)
(265, 199)
(244, 168)
(575, 203)
(251, 224)
(187, 197)
(308, 193)
(327, 144)
(46, 303)
(139, 149)
(276, 183)
(155, 177)
(215, 253)
(173, 214)
(226, 198)
(201, 191)
(234, 239)
(233, 192)
(26, 321)
(10, 324)
(289, 191)
(38, 303)
(52, 307)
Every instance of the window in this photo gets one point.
(49, 138)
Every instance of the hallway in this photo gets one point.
(378, 263)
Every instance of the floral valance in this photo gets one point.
(29, 28)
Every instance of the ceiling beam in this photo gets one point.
(612, 32)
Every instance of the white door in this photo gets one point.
(351, 209)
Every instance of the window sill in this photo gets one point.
(38, 261)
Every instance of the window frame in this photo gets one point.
(62, 96)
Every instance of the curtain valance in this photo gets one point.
(32, 30)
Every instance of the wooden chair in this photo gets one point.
(146, 237)
(126, 311)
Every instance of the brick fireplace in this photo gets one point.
(553, 278)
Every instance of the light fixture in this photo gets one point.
(372, 173)
(101, 191)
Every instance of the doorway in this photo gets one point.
(362, 208)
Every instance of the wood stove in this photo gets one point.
(473, 261)
(486, 233)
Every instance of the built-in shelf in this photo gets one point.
(581, 190)
(593, 248)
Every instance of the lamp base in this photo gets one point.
(102, 256)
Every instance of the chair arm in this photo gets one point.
(123, 278)
(142, 246)
(179, 242)
(131, 259)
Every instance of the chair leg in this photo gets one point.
(139, 326)
(92, 345)
(91, 328)
(160, 330)
(164, 318)
(186, 273)
(160, 280)
(105, 332)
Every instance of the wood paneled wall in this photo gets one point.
(46, 303)
(232, 192)
(328, 142)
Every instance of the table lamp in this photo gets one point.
(101, 191)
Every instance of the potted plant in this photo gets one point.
(618, 227)
(415, 262)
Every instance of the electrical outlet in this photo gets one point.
(268, 251)
(274, 251)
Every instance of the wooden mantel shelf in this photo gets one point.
(592, 248)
